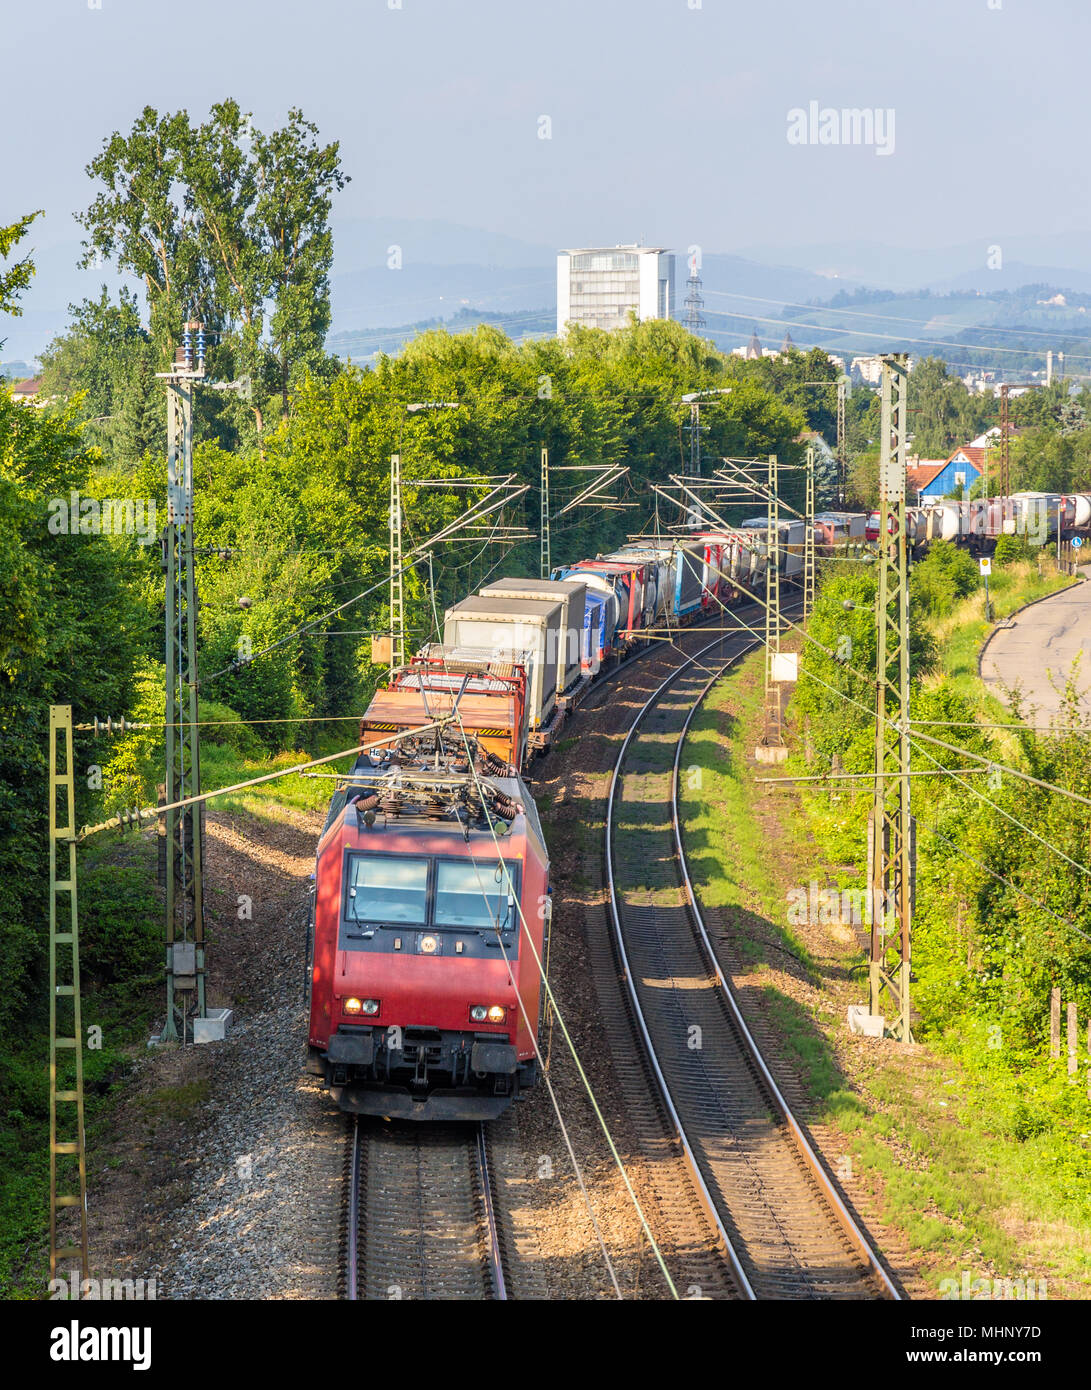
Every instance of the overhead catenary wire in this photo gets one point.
(526, 936)
(881, 318)
(1056, 849)
(925, 342)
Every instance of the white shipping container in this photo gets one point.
(571, 595)
(508, 627)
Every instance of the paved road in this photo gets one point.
(1037, 651)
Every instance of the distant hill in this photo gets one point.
(1059, 259)
(367, 343)
(1009, 330)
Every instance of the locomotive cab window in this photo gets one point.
(387, 890)
(480, 895)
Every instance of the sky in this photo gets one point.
(668, 120)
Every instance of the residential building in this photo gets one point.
(868, 370)
(27, 392)
(961, 470)
(598, 287)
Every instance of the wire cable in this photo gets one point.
(571, 1047)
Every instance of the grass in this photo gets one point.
(176, 1103)
(223, 766)
(960, 635)
(717, 801)
(969, 1178)
(940, 1138)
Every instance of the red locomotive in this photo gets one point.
(431, 887)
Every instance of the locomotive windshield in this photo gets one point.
(388, 890)
(472, 894)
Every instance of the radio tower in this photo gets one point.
(694, 303)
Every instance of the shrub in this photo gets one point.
(1009, 549)
(120, 928)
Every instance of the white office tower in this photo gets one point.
(599, 286)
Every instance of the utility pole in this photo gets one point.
(891, 846)
(772, 748)
(1005, 454)
(182, 832)
(1005, 439)
(397, 588)
(397, 585)
(808, 538)
(842, 451)
(693, 400)
(65, 1037)
(545, 565)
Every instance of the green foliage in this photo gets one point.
(17, 276)
(835, 692)
(71, 629)
(220, 221)
(1010, 549)
(945, 575)
(105, 365)
(942, 412)
(120, 926)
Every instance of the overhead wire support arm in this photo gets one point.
(589, 493)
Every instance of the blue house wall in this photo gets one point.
(944, 481)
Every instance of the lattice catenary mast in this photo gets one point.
(891, 839)
(181, 831)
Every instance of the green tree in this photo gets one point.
(18, 275)
(107, 355)
(72, 626)
(942, 412)
(139, 221)
(219, 221)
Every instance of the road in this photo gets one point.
(1036, 653)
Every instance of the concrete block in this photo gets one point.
(865, 1024)
(213, 1028)
(771, 753)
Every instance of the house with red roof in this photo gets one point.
(27, 392)
(934, 480)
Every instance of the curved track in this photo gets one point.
(421, 1218)
(782, 1224)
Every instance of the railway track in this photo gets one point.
(421, 1214)
(783, 1227)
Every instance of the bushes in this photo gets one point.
(945, 568)
(1010, 549)
(120, 925)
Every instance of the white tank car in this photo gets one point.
(948, 521)
(1035, 515)
(1081, 510)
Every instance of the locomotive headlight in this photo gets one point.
(371, 1006)
(497, 1013)
(479, 1013)
(353, 1006)
(428, 945)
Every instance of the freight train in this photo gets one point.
(432, 901)
(1041, 517)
